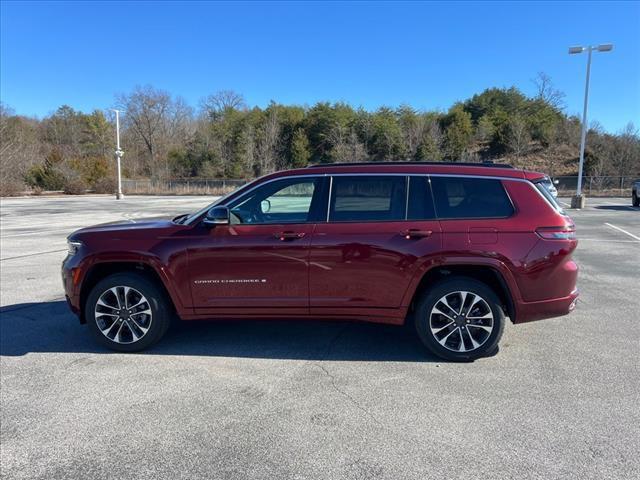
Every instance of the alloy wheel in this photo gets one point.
(123, 314)
(461, 321)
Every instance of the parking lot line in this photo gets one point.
(623, 231)
(606, 240)
(44, 232)
(32, 254)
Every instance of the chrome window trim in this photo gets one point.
(329, 198)
(389, 174)
(406, 198)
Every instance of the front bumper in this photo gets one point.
(71, 282)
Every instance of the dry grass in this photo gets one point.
(180, 190)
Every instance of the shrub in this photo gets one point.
(105, 185)
(91, 169)
(11, 188)
(46, 177)
(74, 186)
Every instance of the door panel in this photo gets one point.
(260, 260)
(366, 265)
(376, 238)
(246, 266)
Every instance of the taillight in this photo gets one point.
(557, 233)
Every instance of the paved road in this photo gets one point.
(266, 400)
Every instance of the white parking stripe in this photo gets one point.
(605, 240)
(47, 232)
(623, 231)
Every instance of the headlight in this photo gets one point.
(73, 246)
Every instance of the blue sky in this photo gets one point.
(428, 55)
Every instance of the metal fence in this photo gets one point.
(596, 185)
(182, 186)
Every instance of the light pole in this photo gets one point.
(578, 200)
(119, 154)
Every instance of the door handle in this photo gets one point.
(415, 233)
(282, 236)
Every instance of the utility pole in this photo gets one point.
(119, 153)
(578, 201)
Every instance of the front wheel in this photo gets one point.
(127, 312)
(460, 319)
(635, 200)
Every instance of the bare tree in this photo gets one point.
(213, 106)
(518, 136)
(413, 128)
(19, 149)
(268, 144)
(626, 158)
(599, 155)
(545, 90)
(157, 120)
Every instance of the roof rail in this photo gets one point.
(462, 164)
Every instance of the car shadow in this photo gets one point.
(625, 208)
(49, 327)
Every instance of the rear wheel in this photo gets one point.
(635, 200)
(127, 312)
(460, 319)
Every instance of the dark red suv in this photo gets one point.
(453, 248)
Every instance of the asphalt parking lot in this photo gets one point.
(311, 400)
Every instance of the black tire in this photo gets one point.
(488, 344)
(635, 200)
(158, 322)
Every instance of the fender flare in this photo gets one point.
(136, 258)
(441, 262)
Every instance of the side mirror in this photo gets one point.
(217, 216)
(556, 182)
(265, 206)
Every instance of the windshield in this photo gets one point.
(191, 217)
(544, 190)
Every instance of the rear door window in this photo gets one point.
(468, 197)
(362, 198)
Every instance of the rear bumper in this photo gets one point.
(555, 307)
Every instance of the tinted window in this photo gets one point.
(458, 197)
(282, 201)
(420, 203)
(361, 198)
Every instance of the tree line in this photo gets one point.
(164, 137)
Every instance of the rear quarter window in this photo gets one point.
(544, 191)
(468, 197)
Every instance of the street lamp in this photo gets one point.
(578, 200)
(119, 154)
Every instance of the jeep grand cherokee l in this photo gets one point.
(453, 248)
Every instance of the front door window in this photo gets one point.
(282, 201)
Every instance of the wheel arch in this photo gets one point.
(100, 270)
(488, 274)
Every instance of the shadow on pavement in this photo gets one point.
(50, 327)
(624, 208)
